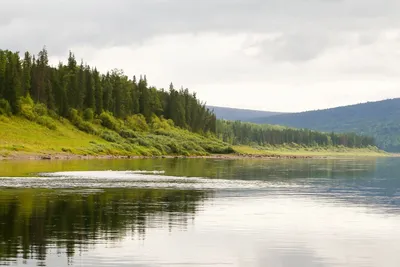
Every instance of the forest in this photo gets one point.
(379, 119)
(245, 133)
(79, 87)
(122, 115)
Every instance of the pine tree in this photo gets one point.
(12, 80)
(98, 92)
(90, 99)
(3, 66)
(27, 68)
(42, 76)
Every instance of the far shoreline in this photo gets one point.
(50, 157)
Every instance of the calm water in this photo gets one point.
(198, 212)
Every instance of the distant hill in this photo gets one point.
(234, 114)
(379, 119)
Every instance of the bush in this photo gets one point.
(96, 121)
(143, 142)
(108, 121)
(86, 127)
(157, 123)
(126, 133)
(5, 108)
(137, 123)
(73, 116)
(4, 118)
(53, 114)
(110, 136)
(40, 109)
(67, 150)
(88, 114)
(26, 108)
(81, 124)
(46, 121)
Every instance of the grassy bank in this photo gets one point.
(302, 151)
(47, 136)
(22, 137)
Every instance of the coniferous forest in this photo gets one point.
(82, 88)
(236, 132)
(133, 116)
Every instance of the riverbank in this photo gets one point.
(22, 139)
(241, 152)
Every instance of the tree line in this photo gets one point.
(236, 132)
(81, 87)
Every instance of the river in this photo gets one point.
(200, 212)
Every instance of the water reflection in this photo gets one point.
(34, 220)
(201, 212)
(244, 169)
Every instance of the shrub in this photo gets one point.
(137, 122)
(5, 108)
(110, 136)
(88, 114)
(159, 123)
(26, 108)
(53, 114)
(163, 132)
(46, 121)
(81, 124)
(143, 142)
(4, 118)
(108, 121)
(86, 127)
(96, 121)
(73, 116)
(67, 150)
(126, 133)
(40, 109)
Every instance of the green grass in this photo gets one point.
(297, 150)
(20, 136)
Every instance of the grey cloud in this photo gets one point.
(296, 47)
(29, 24)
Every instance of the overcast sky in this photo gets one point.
(277, 55)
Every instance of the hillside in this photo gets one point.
(380, 119)
(234, 114)
(59, 137)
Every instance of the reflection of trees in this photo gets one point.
(294, 169)
(240, 169)
(31, 220)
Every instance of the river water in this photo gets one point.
(200, 212)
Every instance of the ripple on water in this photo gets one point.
(130, 179)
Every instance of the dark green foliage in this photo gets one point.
(380, 120)
(88, 114)
(80, 87)
(98, 92)
(80, 123)
(110, 136)
(26, 108)
(248, 133)
(108, 121)
(5, 108)
(40, 109)
(46, 121)
(126, 133)
(86, 127)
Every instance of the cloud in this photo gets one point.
(62, 24)
(271, 49)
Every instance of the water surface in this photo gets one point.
(200, 212)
